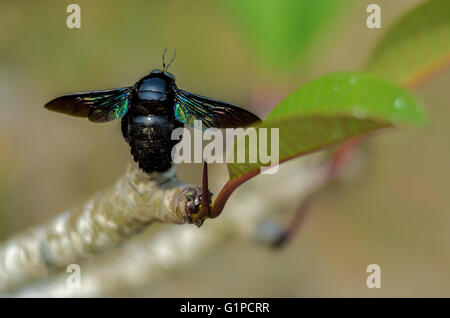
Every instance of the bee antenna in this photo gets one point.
(163, 59)
(173, 58)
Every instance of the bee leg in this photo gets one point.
(198, 207)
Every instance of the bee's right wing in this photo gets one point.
(97, 106)
(212, 112)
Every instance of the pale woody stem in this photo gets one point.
(109, 218)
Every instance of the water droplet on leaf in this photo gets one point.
(354, 80)
(399, 103)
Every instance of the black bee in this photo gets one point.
(150, 110)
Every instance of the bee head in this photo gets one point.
(162, 73)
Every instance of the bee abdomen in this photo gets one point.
(150, 141)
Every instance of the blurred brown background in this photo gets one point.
(394, 215)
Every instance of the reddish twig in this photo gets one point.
(206, 197)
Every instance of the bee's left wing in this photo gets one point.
(213, 113)
(97, 106)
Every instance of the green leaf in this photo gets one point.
(331, 109)
(281, 32)
(416, 46)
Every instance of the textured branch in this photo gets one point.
(251, 213)
(109, 218)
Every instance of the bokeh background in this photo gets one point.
(395, 214)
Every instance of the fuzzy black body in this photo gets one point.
(150, 110)
(150, 141)
(148, 125)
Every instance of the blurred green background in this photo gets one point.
(394, 215)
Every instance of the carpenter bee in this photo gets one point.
(150, 110)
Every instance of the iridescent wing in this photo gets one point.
(213, 113)
(97, 106)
